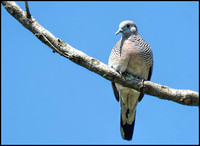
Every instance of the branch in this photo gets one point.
(186, 97)
(28, 14)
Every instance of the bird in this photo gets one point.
(131, 55)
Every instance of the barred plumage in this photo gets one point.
(133, 55)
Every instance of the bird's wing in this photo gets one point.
(116, 93)
(149, 77)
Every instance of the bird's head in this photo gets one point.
(127, 28)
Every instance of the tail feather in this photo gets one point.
(128, 101)
(127, 129)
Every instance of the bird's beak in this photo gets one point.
(119, 31)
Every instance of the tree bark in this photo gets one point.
(186, 97)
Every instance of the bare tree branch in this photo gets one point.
(186, 97)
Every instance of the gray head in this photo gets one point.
(127, 28)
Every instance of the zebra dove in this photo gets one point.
(131, 55)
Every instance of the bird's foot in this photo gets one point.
(128, 76)
(140, 78)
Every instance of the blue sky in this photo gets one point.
(47, 99)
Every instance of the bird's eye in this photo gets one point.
(128, 25)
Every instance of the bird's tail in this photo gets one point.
(127, 121)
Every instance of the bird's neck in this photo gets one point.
(129, 36)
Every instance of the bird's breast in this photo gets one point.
(136, 64)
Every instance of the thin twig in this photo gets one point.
(28, 14)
